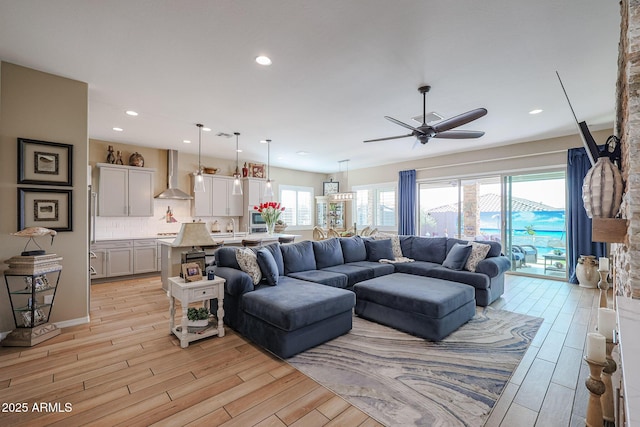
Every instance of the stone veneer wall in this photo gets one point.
(627, 127)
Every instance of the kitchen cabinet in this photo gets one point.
(113, 258)
(253, 195)
(124, 257)
(125, 190)
(217, 199)
(145, 256)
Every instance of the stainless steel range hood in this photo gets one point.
(172, 191)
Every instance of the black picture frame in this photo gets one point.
(44, 163)
(45, 207)
(330, 187)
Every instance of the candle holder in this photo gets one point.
(596, 389)
(608, 412)
(603, 285)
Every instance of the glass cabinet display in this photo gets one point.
(31, 283)
(330, 213)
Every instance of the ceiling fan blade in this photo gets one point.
(398, 122)
(388, 138)
(459, 120)
(459, 134)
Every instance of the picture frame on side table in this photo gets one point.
(45, 207)
(44, 163)
(191, 272)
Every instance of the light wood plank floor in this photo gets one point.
(123, 368)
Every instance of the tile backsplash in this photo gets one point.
(130, 227)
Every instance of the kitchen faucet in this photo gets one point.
(233, 224)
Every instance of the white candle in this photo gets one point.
(603, 264)
(596, 347)
(606, 322)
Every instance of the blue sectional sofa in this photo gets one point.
(306, 294)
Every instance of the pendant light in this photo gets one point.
(198, 185)
(237, 185)
(268, 188)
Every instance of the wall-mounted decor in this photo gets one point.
(46, 163)
(44, 207)
(257, 170)
(330, 187)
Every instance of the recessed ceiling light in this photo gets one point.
(239, 150)
(206, 129)
(186, 141)
(302, 153)
(536, 111)
(263, 141)
(131, 113)
(263, 60)
(118, 129)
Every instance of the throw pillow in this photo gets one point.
(379, 249)
(457, 257)
(479, 252)
(268, 266)
(248, 263)
(395, 243)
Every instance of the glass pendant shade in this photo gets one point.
(198, 185)
(268, 189)
(237, 184)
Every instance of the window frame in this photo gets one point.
(377, 188)
(299, 189)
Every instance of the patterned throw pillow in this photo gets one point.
(479, 252)
(248, 262)
(395, 243)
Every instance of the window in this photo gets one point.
(298, 203)
(376, 206)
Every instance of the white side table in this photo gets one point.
(188, 292)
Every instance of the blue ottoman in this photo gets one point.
(423, 306)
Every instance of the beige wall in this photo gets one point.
(45, 107)
(534, 155)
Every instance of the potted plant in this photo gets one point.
(198, 317)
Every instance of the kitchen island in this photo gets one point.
(170, 255)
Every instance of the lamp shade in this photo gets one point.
(193, 234)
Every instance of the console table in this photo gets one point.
(188, 292)
(628, 325)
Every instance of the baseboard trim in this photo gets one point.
(73, 322)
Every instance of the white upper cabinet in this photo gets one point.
(217, 199)
(125, 190)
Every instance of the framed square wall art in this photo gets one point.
(257, 170)
(45, 163)
(44, 207)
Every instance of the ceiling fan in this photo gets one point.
(442, 129)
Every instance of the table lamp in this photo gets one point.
(194, 234)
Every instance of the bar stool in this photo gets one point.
(288, 239)
(251, 242)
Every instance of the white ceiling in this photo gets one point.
(339, 66)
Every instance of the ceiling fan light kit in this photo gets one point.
(443, 129)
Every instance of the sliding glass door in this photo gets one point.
(525, 213)
(535, 226)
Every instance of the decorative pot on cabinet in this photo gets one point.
(136, 159)
(587, 271)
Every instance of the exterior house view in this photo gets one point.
(349, 213)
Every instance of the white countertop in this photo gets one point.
(628, 327)
(229, 239)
